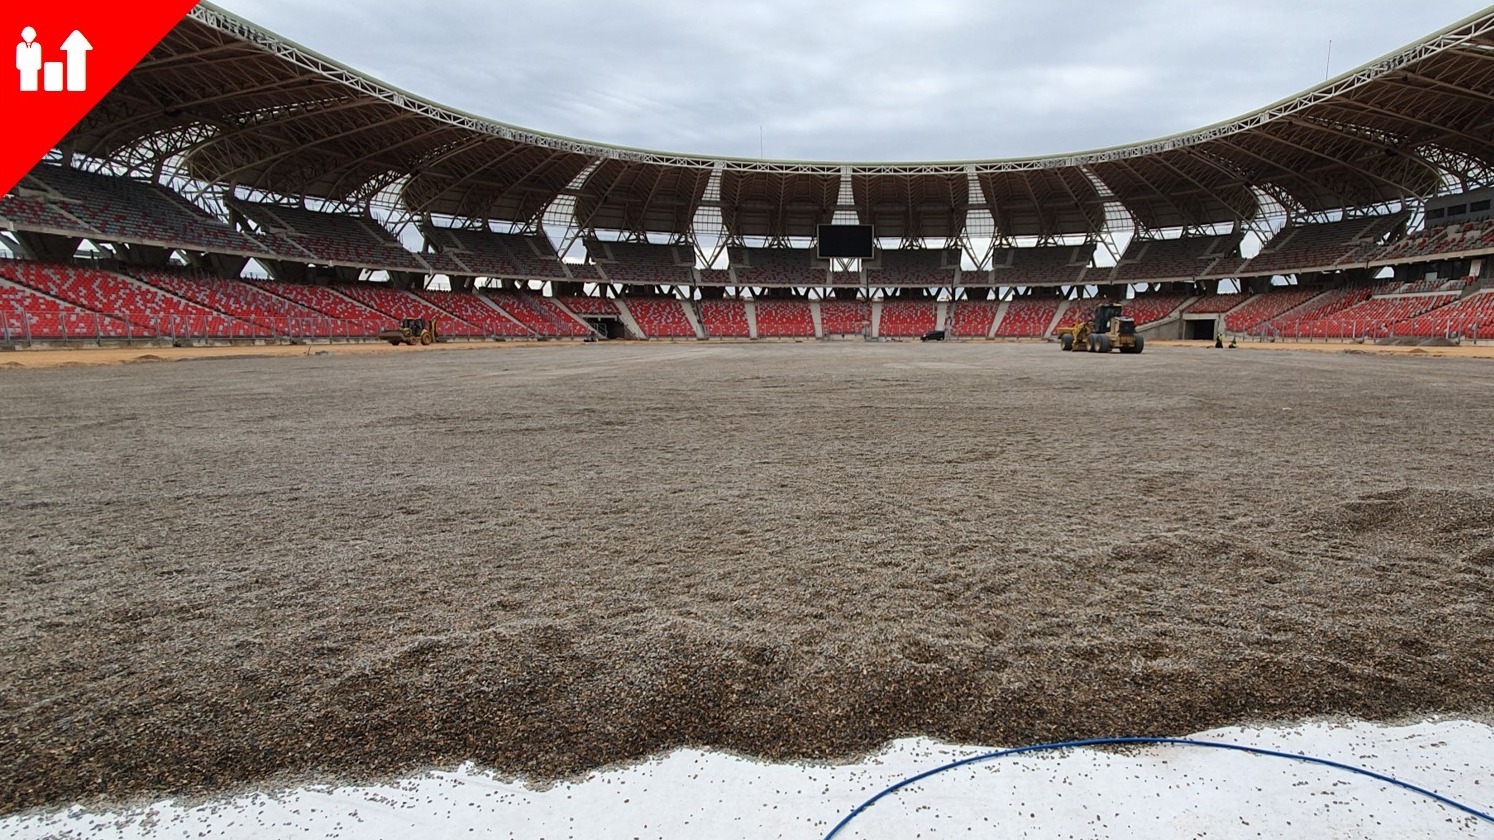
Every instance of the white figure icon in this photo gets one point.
(55, 75)
(28, 59)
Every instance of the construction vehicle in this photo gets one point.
(1107, 330)
(1074, 335)
(411, 331)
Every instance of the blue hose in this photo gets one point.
(1219, 745)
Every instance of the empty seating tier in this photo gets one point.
(640, 264)
(661, 317)
(590, 305)
(914, 267)
(1297, 248)
(724, 318)
(1320, 308)
(566, 325)
(126, 210)
(541, 316)
(26, 315)
(148, 308)
(1377, 317)
(34, 213)
(488, 254)
(1049, 265)
(784, 319)
(474, 310)
(398, 305)
(903, 318)
(1215, 304)
(238, 299)
(329, 238)
(1152, 260)
(844, 317)
(1150, 308)
(1259, 309)
(778, 267)
(323, 300)
(1446, 240)
(1028, 318)
(974, 318)
(1472, 317)
(717, 277)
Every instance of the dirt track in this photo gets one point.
(83, 357)
(227, 571)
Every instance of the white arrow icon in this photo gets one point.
(77, 47)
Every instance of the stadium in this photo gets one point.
(691, 481)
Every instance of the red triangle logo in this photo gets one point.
(67, 57)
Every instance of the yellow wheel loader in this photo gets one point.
(411, 331)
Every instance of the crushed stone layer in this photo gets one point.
(546, 561)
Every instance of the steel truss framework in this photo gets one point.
(244, 111)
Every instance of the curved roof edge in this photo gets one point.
(1447, 38)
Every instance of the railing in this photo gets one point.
(1360, 331)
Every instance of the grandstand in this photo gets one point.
(844, 317)
(660, 317)
(784, 318)
(776, 267)
(1321, 307)
(18, 210)
(1249, 315)
(1378, 317)
(590, 305)
(973, 318)
(1439, 242)
(150, 311)
(276, 316)
(903, 318)
(1216, 304)
(1041, 266)
(1471, 317)
(397, 305)
(724, 318)
(1030, 317)
(487, 254)
(1186, 258)
(902, 268)
(1150, 308)
(718, 277)
(478, 311)
(328, 238)
(542, 316)
(1322, 246)
(340, 213)
(634, 263)
(27, 316)
(90, 205)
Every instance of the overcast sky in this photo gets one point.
(920, 80)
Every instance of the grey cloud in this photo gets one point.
(842, 80)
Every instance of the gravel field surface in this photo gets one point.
(226, 572)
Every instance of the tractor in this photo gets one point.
(1107, 330)
(1074, 336)
(411, 331)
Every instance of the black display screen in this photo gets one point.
(846, 242)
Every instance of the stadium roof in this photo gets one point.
(244, 107)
